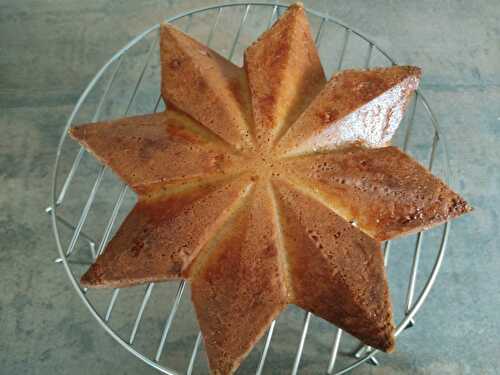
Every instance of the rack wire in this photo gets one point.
(352, 49)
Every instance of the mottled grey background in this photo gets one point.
(49, 51)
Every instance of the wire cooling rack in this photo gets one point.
(156, 322)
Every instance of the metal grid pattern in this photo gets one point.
(350, 40)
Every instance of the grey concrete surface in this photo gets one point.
(48, 52)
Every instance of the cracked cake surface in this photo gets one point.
(267, 185)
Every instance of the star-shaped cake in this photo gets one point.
(267, 185)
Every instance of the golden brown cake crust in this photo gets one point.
(239, 288)
(162, 148)
(284, 73)
(387, 193)
(220, 98)
(364, 106)
(162, 235)
(330, 262)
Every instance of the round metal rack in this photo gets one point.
(88, 202)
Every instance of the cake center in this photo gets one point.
(265, 165)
